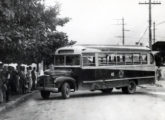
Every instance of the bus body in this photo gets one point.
(98, 68)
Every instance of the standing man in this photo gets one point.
(5, 76)
(29, 77)
(34, 77)
(22, 80)
(158, 73)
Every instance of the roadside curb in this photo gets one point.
(158, 84)
(155, 88)
(15, 102)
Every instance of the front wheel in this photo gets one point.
(65, 90)
(130, 89)
(45, 94)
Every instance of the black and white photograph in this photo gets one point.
(82, 60)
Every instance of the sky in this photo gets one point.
(99, 21)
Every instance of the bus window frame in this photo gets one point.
(137, 62)
(124, 54)
(108, 63)
(114, 62)
(102, 63)
(64, 65)
(144, 62)
(151, 58)
(109, 54)
(86, 55)
(131, 62)
(119, 62)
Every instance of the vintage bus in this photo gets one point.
(96, 67)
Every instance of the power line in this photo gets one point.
(161, 36)
(160, 23)
(142, 35)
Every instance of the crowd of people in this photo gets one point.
(19, 80)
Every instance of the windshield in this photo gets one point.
(67, 60)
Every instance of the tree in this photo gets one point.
(28, 31)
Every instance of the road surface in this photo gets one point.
(85, 105)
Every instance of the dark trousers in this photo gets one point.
(7, 95)
(7, 92)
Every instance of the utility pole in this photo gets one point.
(154, 33)
(150, 3)
(123, 31)
(123, 34)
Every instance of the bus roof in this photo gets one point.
(79, 49)
(116, 47)
(76, 50)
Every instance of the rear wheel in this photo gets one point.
(109, 90)
(130, 89)
(65, 90)
(45, 94)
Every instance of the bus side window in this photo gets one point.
(144, 58)
(123, 58)
(72, 60)
(88, 60)
(59, 60)
(120, 59)
(128, 59)
(136, 58)
(151, 59)
(103, 59)
(111, 59)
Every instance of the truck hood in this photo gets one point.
(58, 72)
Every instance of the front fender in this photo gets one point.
(60, 80)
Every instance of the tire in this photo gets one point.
(65, 90)
(130, 89)
(45, 94)
(109, 90)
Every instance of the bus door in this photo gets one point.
(88, 67)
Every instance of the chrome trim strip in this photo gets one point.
(48, 89)
(123, 67)
(109, 80)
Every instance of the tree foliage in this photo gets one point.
(28, 31)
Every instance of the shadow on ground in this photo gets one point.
(57, 96)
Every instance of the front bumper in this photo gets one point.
(51, 89)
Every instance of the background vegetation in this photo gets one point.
(28, 31)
